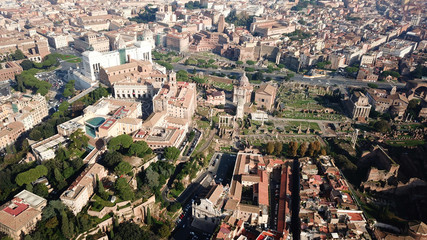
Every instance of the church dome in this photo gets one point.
(244, 81)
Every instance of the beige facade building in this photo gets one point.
(393, 102)
(80, 191)
(9, 70)
(178, 41)
(92, 42)
(215, 98)
(20, 216)
(30, 110)
(359, 106)
(177, 99)
(173, 108)
(10, 133)
(249, 172)
(134, 80)
(265, 96)
(35, 49)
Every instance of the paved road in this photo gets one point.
(321, 81)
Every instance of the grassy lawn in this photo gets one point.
(176, 59)
(203, 111)
(224, 86)
(100, 203)
(314, 116)
(203, 124)
(201, 143)
(402, 143)
(76, 60)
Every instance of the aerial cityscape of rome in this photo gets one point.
(213, 119)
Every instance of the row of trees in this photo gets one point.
(294, 149)
(125, 145)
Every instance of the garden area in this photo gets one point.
(223, 86)
(309, 103)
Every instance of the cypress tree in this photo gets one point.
(148, 217)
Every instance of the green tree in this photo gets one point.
(35, 135)
(293, 148)
(18, 55)
(151, 178)
(31, 175)
(239, 62)
(172, 153)
(382, 126)
(112, 158)
(52, 223)
(351, 70)
(182, 76)
(148, 218)
(372, 85)
(41, 190)
(270, 148)
(129, 230)
(313, 148)
(67, 93)
(62, 154)
(27, 64)
(66, 229)
(123, 168)
(164, 231)
(303, 149)
(123, 189)
(120, 142)
(278, 147)
(250, 62)
(58, 176)
(139, 149)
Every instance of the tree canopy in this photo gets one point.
(31, 175)
(123, 189)
(172, 153)
(120, 142)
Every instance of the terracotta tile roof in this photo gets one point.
(18, 217)
(215, 193)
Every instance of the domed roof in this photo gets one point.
(244, 81)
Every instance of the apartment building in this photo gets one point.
(19, 216)
(30, 110)
(9, 70)
(34, 48)
(79, 192)
(10, 133)
(178, 41)
(92, 42)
